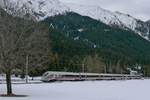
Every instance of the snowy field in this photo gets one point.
(17, 80)
(90, 90)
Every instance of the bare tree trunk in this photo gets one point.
(105, 69)
(8, 83)
(27, 62)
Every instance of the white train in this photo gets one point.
(50, 76)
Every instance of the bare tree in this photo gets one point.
(18, 39)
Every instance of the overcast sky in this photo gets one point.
(137, 8)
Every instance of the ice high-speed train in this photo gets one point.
(50, 76)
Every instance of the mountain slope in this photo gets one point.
(121, 20)
(100, 38)
(148, 24)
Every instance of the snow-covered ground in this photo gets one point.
(17, 80)
(90, 90)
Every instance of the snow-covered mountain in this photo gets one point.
(112, 18)
(41, 9)
(37, 9)
(148, 24)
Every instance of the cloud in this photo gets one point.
(136, 8)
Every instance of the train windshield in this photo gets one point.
(45, 74)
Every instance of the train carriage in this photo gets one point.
(51, 76)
